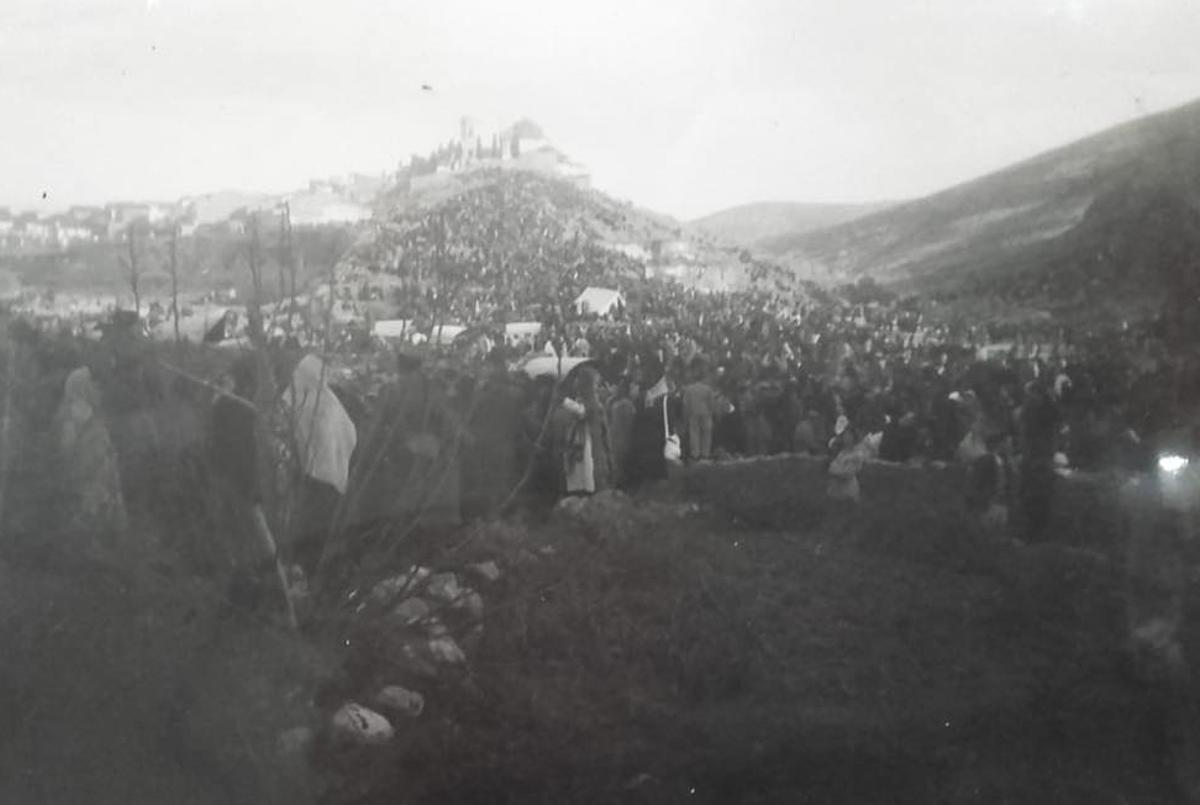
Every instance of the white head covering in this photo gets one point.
(325, 435)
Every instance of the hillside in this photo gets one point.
(763, 223)
(1037, 231)
(516, 241)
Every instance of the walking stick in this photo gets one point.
(268, 542)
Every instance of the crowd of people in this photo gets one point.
(729, 375)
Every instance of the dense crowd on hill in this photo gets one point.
(512, 245)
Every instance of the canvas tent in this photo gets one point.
(598, 301)
(445, 334)
(549, 366)
(521, 330)
(223, 328)
(991, 351)
(391, 328)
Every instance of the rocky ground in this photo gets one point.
(620, 651)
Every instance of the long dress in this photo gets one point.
(323, 438)
(621, 420)
(579, 467)
(646, 460)
(493, 466)
(95, 505)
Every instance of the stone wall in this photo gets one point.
(789, 491)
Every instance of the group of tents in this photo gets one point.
(220, 326)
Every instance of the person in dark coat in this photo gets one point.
(536, 444)
(646, 460)
(621, 416)
(493, 467)
(1039, 421)
(233, 459)
(899, 442)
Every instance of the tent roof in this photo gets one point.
(391, 328)
(550, 366)
(598, 298)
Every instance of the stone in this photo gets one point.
(416, 658)
(488, 571)
(361, 725)
(400, 700)
(444, 587)
(446, 651)
(390, 587)
(412, 610)
(571, 505)
(472, 603)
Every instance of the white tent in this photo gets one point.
(549, 366)
(193, 327)
(521, 330)
(990, 351)
(446, 333)
(391, 328)
(598, 301)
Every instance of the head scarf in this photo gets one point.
(324, 433)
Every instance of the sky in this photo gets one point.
(683, 106)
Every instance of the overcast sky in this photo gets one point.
(685, 106)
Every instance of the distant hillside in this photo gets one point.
(1084, 225)
(762, 223)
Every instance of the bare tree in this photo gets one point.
(133, 268)
(256, 331)
(287, 265)
(174, 267)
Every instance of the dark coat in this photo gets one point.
(233, 450)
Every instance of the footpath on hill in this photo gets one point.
(630, 651)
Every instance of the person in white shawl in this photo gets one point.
(324, 435)
(323, 438)
(96, 506)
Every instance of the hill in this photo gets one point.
(1057, 230)
(518, 242)
(765, 222)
